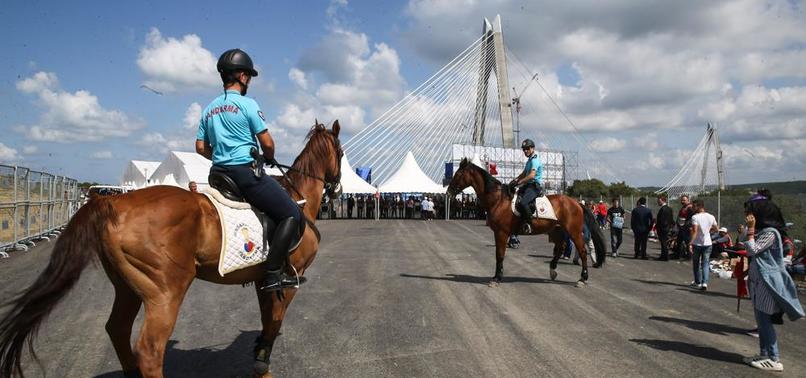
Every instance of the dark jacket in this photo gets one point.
(665, 219)
(641, 220)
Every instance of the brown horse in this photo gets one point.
(142, 240)
(496, 200)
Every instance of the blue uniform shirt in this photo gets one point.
(533, 163)
(229, 124)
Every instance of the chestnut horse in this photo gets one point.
(152, 243)
(496, 200)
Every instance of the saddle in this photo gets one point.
(242, 226)
(544, 209)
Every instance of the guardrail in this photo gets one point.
(34, 205)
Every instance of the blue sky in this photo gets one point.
(640, 80)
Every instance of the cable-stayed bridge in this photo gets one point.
(467, 102)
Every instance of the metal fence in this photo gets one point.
(33, 206)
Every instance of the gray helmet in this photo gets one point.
(236, 60)
(527, 143)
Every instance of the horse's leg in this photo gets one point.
(501, 238)
(119, 326)
(579, 243)
(272, 313)
(557, 237)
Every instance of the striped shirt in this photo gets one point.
(760, 294)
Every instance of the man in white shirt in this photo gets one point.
(702, 225)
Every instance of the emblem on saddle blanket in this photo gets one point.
(242, 234)
(543, 208)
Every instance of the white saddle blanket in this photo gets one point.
(241, 234)
(543, 207)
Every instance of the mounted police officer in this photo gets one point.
(530, 182)
(227, 132)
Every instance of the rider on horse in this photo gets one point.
(227, 132)
(530, 180)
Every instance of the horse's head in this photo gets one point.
(462, 178)
(321, 158)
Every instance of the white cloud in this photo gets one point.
(172, 64)
(342, 77)
(192, 116)
(184, 139)
(298, 77)
(8, 154)
(607, 144)
(69, 117)
(30, 149)
(102, 155)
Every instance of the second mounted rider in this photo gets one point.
(529, 183)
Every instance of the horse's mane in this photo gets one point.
(490, 183)
(317, 145)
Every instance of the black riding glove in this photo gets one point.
(512, 185)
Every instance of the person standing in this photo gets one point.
(360, 206)
(772, 290)
(601, 211)
(350, 206)
(664, 226)
(641, 223)
(615, 217)
(683, 228)
(702, 225)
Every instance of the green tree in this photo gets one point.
(587, 188)
(617, 189)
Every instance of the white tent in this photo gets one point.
(409, 178)
(138, 173)
(351, 183)
(180, 168)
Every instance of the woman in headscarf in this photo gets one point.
(771, 288)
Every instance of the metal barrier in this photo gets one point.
(33, 206)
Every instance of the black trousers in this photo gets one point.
(663, 238)
(615, 238)
(349, 212)
(263, 192)
(641, 239)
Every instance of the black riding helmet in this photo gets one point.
(236, 60)
(527, 143)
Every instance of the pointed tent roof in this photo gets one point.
(138, 172)
(180, 168)
(351, 182)
(409, 178)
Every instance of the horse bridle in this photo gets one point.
(331, 183)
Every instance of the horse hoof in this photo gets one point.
(581, 284)
(261, 370)
(553, 274)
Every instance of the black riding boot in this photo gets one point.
(276, 279)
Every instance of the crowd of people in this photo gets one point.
(401, 206)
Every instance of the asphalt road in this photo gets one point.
(410, 299)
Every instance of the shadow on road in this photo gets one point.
(694, 350)
(686, 288)
(718, 329)
(484, 280)
(234, 360)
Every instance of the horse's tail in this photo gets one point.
(596, 235)
(82, 239)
